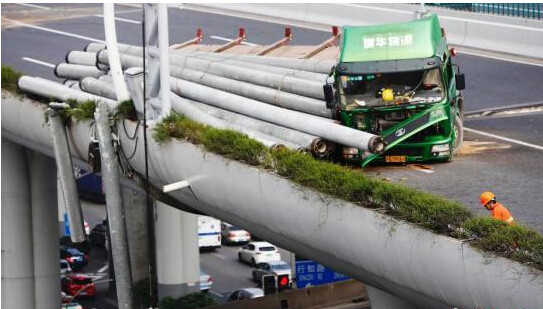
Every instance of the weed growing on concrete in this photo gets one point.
(10, 78)
(83, 111)
(517, 242)
(126, 110)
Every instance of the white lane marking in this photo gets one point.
(47, 64)
(34, 6)
(86, 38)
(514, 141)
(460, 51)
(220, 38)
(222, 256)
(121, 19)
(219, 295)
(103, 269)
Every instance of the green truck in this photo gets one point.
(399, 81)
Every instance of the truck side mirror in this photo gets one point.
(460, 81)
(328, 95)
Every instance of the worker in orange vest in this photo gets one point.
(497, 210)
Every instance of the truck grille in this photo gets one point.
(413, 151)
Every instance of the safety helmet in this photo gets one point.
(487, 197)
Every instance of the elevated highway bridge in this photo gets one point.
(402, 264)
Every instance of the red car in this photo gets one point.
(78, 285)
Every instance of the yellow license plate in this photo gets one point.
(395, 159)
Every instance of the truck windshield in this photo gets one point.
(389, 89)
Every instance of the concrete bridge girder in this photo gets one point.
(427, 270)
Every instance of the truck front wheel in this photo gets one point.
(458, 131)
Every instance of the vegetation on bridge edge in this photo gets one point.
(432, 212)
(9, 79)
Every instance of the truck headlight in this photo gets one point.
(440, 148)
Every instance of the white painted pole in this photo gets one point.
(163, 44)
(114, 62)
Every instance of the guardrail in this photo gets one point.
(524, 10)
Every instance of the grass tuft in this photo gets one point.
(10, 78)
(126, 110)
(83, 111)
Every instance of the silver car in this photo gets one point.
(271, 268)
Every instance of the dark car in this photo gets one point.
(246, 293)
(98, 234)
(74, 257)
(78, 285)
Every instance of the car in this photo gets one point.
(258, 252)
(246, 293)
(78, 285)
(206, 281)
(64, 267)
(233, 234)
(271, 268)
(75, 258)
(98, 233)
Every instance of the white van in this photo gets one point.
(209, 232)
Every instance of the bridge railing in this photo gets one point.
(522, 10)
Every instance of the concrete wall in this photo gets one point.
(425, 269)
(484, 31)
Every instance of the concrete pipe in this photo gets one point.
(76, 71)
(63, 159)
(97, 87)
(85, 58)
(48, 89)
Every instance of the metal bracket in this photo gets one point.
(177, 186)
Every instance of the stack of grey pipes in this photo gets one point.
(277, 101)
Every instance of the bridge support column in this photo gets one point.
(380, 299)
(178, 262)
(43, 189)
(18, 289)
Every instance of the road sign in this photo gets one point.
(66, 225)
(311, 273)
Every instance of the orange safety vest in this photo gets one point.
(501, 213)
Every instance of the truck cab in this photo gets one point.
(399, 81)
